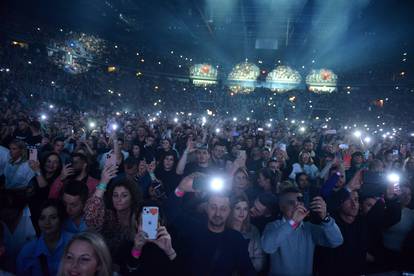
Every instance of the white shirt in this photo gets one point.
(18, 174)
(311, 170)
(15, 241)
(4, 158)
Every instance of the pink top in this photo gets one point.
(58, 185)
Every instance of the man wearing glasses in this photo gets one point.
(291, 241)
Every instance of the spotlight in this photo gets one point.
(51, 106)
(114, 126)
(367, 139)
(175, 120)
(217, 184)
(393, 178)
(92, 124)
(234, 119)
(43, 117)
(357, 134)
(217, 130)
(302, 129)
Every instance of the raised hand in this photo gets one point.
(140, 239)
(163, 240)
(356, 181)
(66, 171)
(151, 167)
(108, 173)
(299, 214)
(190, 146)
(186, 184)
(318, 206)
(35, 166)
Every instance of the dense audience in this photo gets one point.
(79, 173)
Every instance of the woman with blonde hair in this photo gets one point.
(241, 181)
(239, 220)
(86, 254)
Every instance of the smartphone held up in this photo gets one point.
(150, 216)
(32, 154)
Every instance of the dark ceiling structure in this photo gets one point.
(228, 31)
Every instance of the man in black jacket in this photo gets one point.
(208, 246)
(350, 257)
(380, 213)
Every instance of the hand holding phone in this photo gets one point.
(269, 143)
(242, 154)
(67, 171)
(33, 154)
(343, 146)
(110, 159)
(330, 132)
(150, 221)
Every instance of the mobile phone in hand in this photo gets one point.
(330, 132)
(242, 154)
(150, 221)
(343, 146)
(33, 154)
(110, 159)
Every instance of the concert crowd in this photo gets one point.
(82, 168)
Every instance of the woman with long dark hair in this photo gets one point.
(165, 171)
(268, 180)
(143, 256)
(114, 220)
(47, 170)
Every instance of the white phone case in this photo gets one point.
(150, 221)
(110, 159)
(33, 154)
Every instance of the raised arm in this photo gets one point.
(327, 233)
(279, 231)
(183, 160)
(35, 166)
(95, 206)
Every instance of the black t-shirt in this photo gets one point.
(254, 165)
(169, 179)
(194, 167)
(261, 222)
(152, 261)
(36, 197)
(206, 252)
(219, 165)
(23, 135)
(348, 258)
(34, 140)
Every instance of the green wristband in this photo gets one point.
(101, 186)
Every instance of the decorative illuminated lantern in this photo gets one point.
(242, 79)
(321, 81)
(283, 79)
(203, 74)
